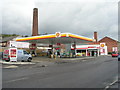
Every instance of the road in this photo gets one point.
(94, 73)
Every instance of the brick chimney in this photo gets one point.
(35, 22)
(95, 36)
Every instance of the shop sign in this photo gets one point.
(91, 47)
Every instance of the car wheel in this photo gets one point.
(29, 59)
(8, 60)
(22, 61)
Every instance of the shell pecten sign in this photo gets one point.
(102, 45)
(57, 34)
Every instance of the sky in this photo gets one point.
(73, 16)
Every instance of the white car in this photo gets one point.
(19, 54)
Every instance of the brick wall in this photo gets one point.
(109, 42)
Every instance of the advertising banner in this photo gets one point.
(19, 44)
(13, 54)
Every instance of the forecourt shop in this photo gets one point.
(91, 50)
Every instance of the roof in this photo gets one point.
(106, 38)
(5, 39)
(94, 43)
(64, 38)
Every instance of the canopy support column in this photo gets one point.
(74, 49)
(51, 51)
(86, 52)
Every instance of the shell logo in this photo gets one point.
(58, 34)
(102, 45)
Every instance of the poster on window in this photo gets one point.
(114, 49)
(13, 54)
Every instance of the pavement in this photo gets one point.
(4, 62)
(45, 60)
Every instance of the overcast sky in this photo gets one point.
(73, 16)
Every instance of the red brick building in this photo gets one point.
(110, 43)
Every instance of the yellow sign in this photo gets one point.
(58, 34)
(102, 44)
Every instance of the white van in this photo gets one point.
(14, 54)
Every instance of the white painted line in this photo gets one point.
(69, 59)
(12, 66)
(113, 82)
(84, 60)
(106, 87)
(17, 62)
(16, 80)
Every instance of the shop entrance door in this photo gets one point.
(92, 53)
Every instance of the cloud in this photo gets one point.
(75, 17)
(79, 18)
(0, 18)
(17, 16)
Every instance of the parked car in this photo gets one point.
(114, 54)
(19, 54)
(119, 57)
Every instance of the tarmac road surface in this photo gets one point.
(94, 73)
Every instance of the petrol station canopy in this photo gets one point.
(63, 38)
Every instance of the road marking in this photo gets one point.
(16, 80)
(70, 59)
(116, 80)
(12, 66)
(106, 87)
(3, 62)
(84, 60)
(113, 82)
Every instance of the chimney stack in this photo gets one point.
(95, 36)
(35, 22)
